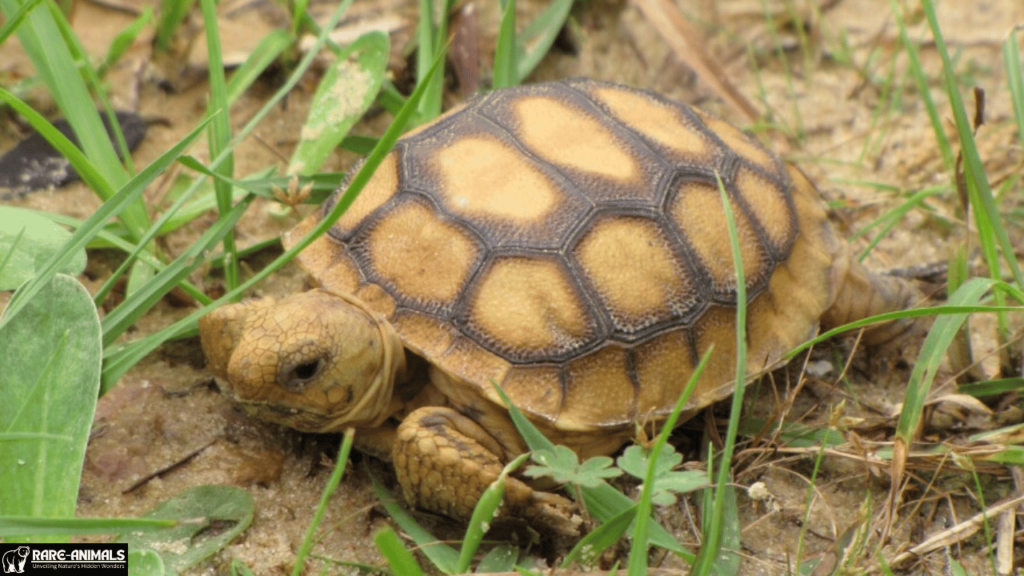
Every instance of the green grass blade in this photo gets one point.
(15, 20)
(1014, 80)
(932, 353)
(709, 555)
(923, 89)
(134, 217)
(892, 217)
(536, 39)
(505, 67)
(637, 563)
(94, 224)
(325, 497)
(43, 41)
(485, 510)
(986, 215)
(140, 301)
(401, 561)
(443, 556)
(589, 549)
(124, 39)
(262, 56)
(432, 46)
(88, 171)
(172, 14)
(34, 526)
(220, 133)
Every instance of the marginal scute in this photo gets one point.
(634, 269)
(465, 359)
(717, 328)
(432, 338)
(598, 388)
(660, 362)
(529, 309)
(535, 389)
(420, 257)
(381, 188)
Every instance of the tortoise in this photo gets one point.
(566, 240)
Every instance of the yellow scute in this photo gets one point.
(565, 136)
(599, 390)
(655, 120)
(484, 177)
(768, 204)
(381, 187)
(637, 275)
(529, 305)
(697, 209)
(425, 258)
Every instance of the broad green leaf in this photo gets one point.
(667, 480)
(193, 539)
(49, 384)
(501, 558)
(564, 467)
(27, 241)
(346, 91)
(145, 562)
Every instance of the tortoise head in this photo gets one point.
(315, 361)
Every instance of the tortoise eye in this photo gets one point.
(298, 376)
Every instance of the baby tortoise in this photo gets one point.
(566, 240)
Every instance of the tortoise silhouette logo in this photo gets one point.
(14, 560)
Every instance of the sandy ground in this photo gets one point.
(824, 91)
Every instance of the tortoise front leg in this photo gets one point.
(445, 461)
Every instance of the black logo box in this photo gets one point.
(35, 558)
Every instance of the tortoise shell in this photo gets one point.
(568, 241)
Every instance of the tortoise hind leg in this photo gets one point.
(445, 461)
(861, 293)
